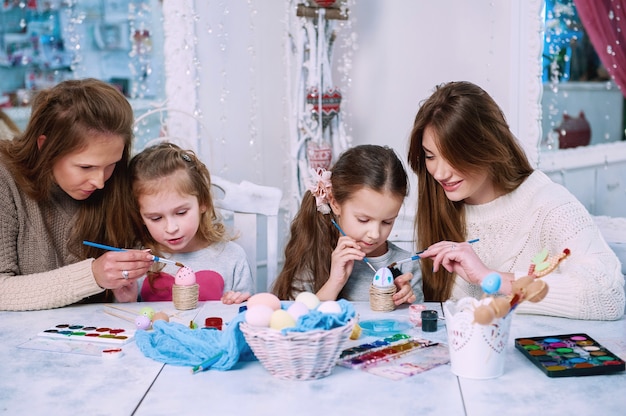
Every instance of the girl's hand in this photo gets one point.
(127, 293)
(405, 290)
(116, 269)
(458, 258)
(342, 262)
(231, 297)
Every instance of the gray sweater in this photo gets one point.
(36, 269)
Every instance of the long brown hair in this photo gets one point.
(472, 136)
(66, 115)
(313, 237)
(165, 159)
(9, 123)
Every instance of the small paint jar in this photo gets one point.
(213, 322)
(415, 314)
(429, 320)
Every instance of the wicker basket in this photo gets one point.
(297, 355)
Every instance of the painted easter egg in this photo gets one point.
(147, 311)
(501, 307)
(484, 315)
(143, 322)
(383, 278)
(491, 283)
(185, 277)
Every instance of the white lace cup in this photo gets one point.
(476, 351)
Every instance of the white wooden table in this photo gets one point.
(41, 382)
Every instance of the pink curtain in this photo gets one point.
(605, 23)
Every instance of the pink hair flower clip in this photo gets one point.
(320, 186)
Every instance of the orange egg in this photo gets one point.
(484, 315)
(160, 316)
(500, 306)
(537, 290)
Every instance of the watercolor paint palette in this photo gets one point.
(87, 333)
(569, 355)
(381, 351)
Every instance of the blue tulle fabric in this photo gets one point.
(177, 344)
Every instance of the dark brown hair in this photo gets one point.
(313, 237)
(472, 136)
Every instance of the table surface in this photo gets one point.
(38, 376)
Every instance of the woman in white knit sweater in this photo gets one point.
(474, 181)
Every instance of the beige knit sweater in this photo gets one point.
(542, 214)
(36, 269)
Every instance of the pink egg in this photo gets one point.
(259, 315)
(267, 299)
(142, 322)
(297, 309)
(185, 277)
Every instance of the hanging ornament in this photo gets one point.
(331, 101)
(319, 154)
(318, 131)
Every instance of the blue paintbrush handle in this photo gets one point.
(416, 256)
(102, 246)
(111, 248)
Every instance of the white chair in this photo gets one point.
(252, 206)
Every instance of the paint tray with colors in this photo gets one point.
(381, 351)
(569, 355)
(87, 333)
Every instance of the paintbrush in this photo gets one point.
(155, 258)
(416, 256)
(365, 259)
(206, 364)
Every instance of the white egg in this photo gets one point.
(383, 278)
(309, 299)
(329, 306)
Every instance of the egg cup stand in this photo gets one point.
(185, 297)
(381, 298)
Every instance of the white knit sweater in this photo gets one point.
(542, 214)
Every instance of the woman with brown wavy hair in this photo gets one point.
(474, 181)
(65, 180)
